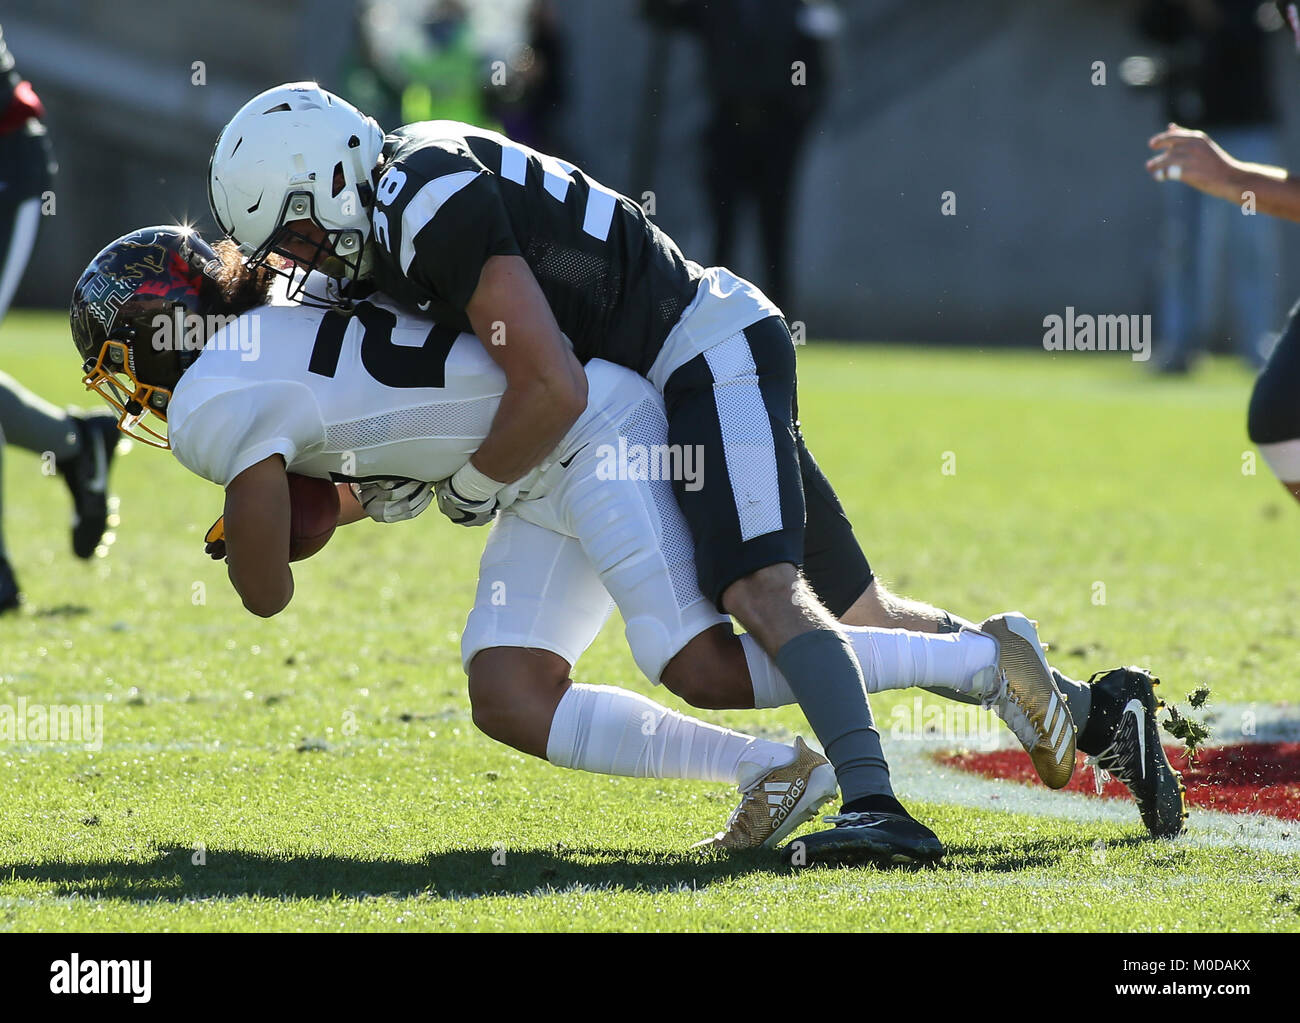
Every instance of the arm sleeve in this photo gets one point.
(219, 433)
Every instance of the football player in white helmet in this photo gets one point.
(318, 170)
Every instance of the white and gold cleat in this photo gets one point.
(1025, 696)
(776, 800)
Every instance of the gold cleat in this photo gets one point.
(776, 800)
(1027, 699)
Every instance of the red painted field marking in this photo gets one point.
(1259, 777)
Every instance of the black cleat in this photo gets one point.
(1122, 739)
(11, 598)
(883, 838)
(86, 474)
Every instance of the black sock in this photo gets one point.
(1098, 728)
(876, 804)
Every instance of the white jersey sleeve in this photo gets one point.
(222, 425)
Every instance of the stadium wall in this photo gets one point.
(991, 100)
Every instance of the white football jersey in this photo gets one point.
(377, 393)
(384, 393)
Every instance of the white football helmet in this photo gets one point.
(296, 152)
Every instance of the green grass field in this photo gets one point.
(320, 771)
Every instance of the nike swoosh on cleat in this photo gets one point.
(1134, 707)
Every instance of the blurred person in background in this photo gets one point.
(370, 79)
(445, 74)
(1197, 160)
(767, 71)
(80, 446)
(1216, 81)
(528, 104)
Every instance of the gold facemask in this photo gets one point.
(111, 378)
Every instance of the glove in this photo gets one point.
(214, 540)
(461, 511)
(393, 500)
(471, 497)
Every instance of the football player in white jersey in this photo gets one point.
(382, 395)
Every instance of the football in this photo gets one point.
(313, 514)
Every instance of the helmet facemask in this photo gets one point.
(131, 355)
(113, 379)
(295, 256)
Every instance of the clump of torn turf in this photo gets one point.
(1192, 732)
(1200, 697)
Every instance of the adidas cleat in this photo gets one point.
(1122, 738)
(86, 474)
(883, 838)
(776, 800)
(1026, 698)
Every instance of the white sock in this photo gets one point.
(770, 687)
(890, 659)
(607, 730)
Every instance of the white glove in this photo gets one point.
(393, 500)
(461, 511)
(471, 498)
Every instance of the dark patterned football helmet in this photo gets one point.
(132, 316)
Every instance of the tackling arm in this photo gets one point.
(465, 252)
(546, 387)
